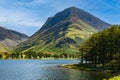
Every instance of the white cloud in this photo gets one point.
(18, 18)
(30, 23)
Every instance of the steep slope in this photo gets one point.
(10, 39)
(64, 32)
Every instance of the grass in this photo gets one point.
(114, 78)
(88, 67)
(4, 48)
(72, 33)
(98, 68)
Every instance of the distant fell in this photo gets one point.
(64, 32)
(9, 39)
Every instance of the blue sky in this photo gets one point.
(27, 16)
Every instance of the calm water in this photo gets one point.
(44, 70)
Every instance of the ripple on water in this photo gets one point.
(43, 70)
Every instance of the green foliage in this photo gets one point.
(104, 48)
(114, 78)
(0, 56)
(38, 55)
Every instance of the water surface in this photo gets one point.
(44, 70)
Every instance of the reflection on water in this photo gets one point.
(44, 70)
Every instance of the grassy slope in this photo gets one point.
(78, 35)
(4, 48)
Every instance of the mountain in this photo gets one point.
(10, 39)
(64, 32)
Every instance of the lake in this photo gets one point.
(44, 70)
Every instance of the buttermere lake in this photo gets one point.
(44, 70)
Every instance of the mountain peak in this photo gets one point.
(74, 11)
(71, 11)
(64, 32)
(72, 8)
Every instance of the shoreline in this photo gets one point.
(44, 59)
(115, 74)
(86, 68)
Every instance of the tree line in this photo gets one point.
(103, 48)
(36, 55)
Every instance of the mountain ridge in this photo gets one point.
(64, 32)
(9, 39)
(73, 11)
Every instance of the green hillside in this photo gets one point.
(9, 39)
(4, 48)
(63, 33)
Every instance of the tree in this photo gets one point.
(103, 47)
